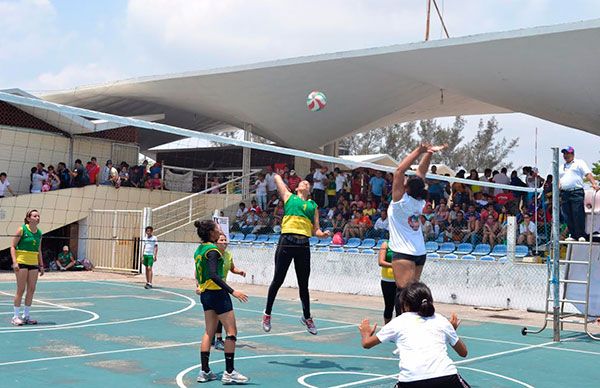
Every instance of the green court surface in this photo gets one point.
(110, 334)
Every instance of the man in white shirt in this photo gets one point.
(270, 179)
(381, 229)
(527, 231)
(571, 175)
(502, 179)
(340, 181)
(319, 179)
(5, 186)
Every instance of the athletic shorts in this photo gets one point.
(148, 260)
(217, 300)
(418, 260)
(452, 381)
(28, 266)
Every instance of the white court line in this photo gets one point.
(155, 347)
(498, 375)
(38, 311)
(57, 327)
(118, 297)
(192, 303)
(302, 379)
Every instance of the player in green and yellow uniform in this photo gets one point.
(300, 221)
(26, 254)
(216, 302)
(228, 266)
(388, 284)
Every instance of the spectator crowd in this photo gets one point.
(354, 204)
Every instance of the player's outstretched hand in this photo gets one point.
(433, 148)
(365, 328)
(454, 321)
(242, 273)
(240, 296)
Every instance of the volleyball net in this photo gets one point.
(480, 234)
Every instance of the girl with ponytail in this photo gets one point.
(421, 337)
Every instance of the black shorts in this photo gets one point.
(217, 300)
(452, 381)
(29, 266)
(418, 260)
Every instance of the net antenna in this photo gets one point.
(428, 19)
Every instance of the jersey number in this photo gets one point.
(304, 206)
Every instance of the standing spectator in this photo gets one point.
(571, 176)
(154, 182)
(65, 260)
(270, 179)
(93, 170)
(64, 175)
(214, 183)
(320, 182)
(435, 188)
(474, 176)
(155, 169)
(79, 175)
(124, 176)
(293, 181)
(109, 174)
(37, 178)
(310, 177)
(53, 178)
(340, 183)
(331, 190)
(377, 186)
(261, 191)
(135, 178)
(527, 231)
(502, 179)
(356, 185)
(5, 185)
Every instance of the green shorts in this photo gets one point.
(148, 260)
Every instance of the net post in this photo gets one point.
(511, 237)
(246, 161)
(555, 246)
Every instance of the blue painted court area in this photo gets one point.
(98, 334)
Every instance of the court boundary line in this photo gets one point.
(116, 351)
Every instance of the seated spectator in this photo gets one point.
(65, 260)
(481, 199)
(491, 231)
(93, 169)
(273, 202)
(254, 205)
(154, 182)
(155, 169)
(250, 221)
(124, 176)
(473, 233)
(352, 228)
(428, 212)
(441, 217)
(135, 177)
(364, 224)
(427, 229)
(458, 228)
(264, 223)
(79, 176)
(527, 231)
(240, 215)
(489, 210)
(5, 185)
(504, 197)
(369, 210)
(471, 212)
(278, 213)
(381, 229)
(454, 212)
(338, 223)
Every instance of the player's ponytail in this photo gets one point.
(416, 298)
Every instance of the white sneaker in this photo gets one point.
(582, 239)
(266, 323)
(204, 377)
(234, 377)
(569, 238)
(16, 321)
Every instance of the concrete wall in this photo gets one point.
(514, 285)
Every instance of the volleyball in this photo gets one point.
(316, 101)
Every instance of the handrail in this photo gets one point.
(207, 171)
(204, 191)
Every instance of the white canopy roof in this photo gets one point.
(548, 72)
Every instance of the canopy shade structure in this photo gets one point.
(547, 72)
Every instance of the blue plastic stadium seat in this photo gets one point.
(273, 239)
(367, 243)
(352, 250)
(236, 238)
(261, 239)
(322, 249)
(313, 241)
(447, 247)
(368, 251)
(324, 242)
(353, 242)
(468, 257)
(431, 246)
(499, 250)
(337, 249)
(503, 259)
(521, 251)
(481, 250)
(379, 243)
(450, 256)
(433, 255)
(464, 249)
(250, 237)
(487, 258)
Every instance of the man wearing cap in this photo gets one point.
(571, 175)
(65, 260)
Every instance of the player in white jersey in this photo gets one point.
(150, 244)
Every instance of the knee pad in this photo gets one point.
(231, 338)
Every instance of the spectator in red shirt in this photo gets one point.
(489, 210)
(293, 181)
(504, 197)
(93, 170)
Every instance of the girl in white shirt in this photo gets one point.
(406, 237)
(421, 337)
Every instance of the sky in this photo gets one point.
(49, 45)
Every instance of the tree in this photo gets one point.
(596, 170)
(484, 151)
(431, 132)
(398, 140)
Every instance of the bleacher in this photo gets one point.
(369, 246)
